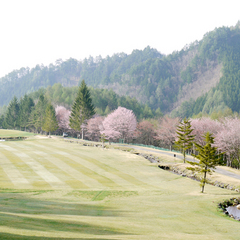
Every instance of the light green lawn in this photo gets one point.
(61, 190)
(14, 133)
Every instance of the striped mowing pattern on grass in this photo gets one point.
(43, 164)
(37, 168)
(91, 176)
(98, 166)
(11, 170)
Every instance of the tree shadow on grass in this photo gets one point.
(48, 225)
(18, 203)
(12, 205)
(8, 236)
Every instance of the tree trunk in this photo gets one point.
(184, 156)
(204, 179)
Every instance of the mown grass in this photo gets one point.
(14, 133)
(123, 197)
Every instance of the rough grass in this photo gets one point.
(78, 192)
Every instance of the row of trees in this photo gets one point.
(27, 115)
(41, 116)
(104, 100)
(165, 132)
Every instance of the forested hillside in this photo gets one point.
(201, 78)
(104, 100)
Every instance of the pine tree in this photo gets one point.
(50, 121)
(25, 107)
(12, 115)
(208, 158)
(185, 139)
(82, 108)
(37, 115)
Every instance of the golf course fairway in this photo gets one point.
(52, 189)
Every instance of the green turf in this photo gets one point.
(51, 189)
(14, 133)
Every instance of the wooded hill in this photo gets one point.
(203, 77)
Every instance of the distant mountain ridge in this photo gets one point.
(203, 77)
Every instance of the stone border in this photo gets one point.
(12, 138)
(228, 203)
(193, 176)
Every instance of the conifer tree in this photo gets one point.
(208, 158)
(25, 107)
(50, 121)
(185, 138)
(82, 108)
(37, 115)
(12, 115)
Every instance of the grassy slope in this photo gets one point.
(79, 192)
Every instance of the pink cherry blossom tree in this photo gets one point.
(202, 125)
(166, 132)
(228, 140)
(145, 132)
(94, 126)
(62, 115)
(121, 123)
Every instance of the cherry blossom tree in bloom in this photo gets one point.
(202, 125)
(62, 115)
(121, 123)
(94, 126)
(166, 132)
(228, 140)
(145, 132)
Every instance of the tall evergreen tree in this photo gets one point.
(82, 108)
(208, 158)
(50, 121)
(25, 107)
(2, 121)
(12, 115)
(37, 115)
(185, 138)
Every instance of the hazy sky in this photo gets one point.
(40, 32)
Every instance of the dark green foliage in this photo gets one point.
(25, 107)
(185, 139)
(12, 115)
(36, 119)
(104, 100)
(82, 108)
(1, 121)
(219, 46)
(50, 123)
(208, 158)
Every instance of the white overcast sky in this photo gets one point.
(42, 31)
